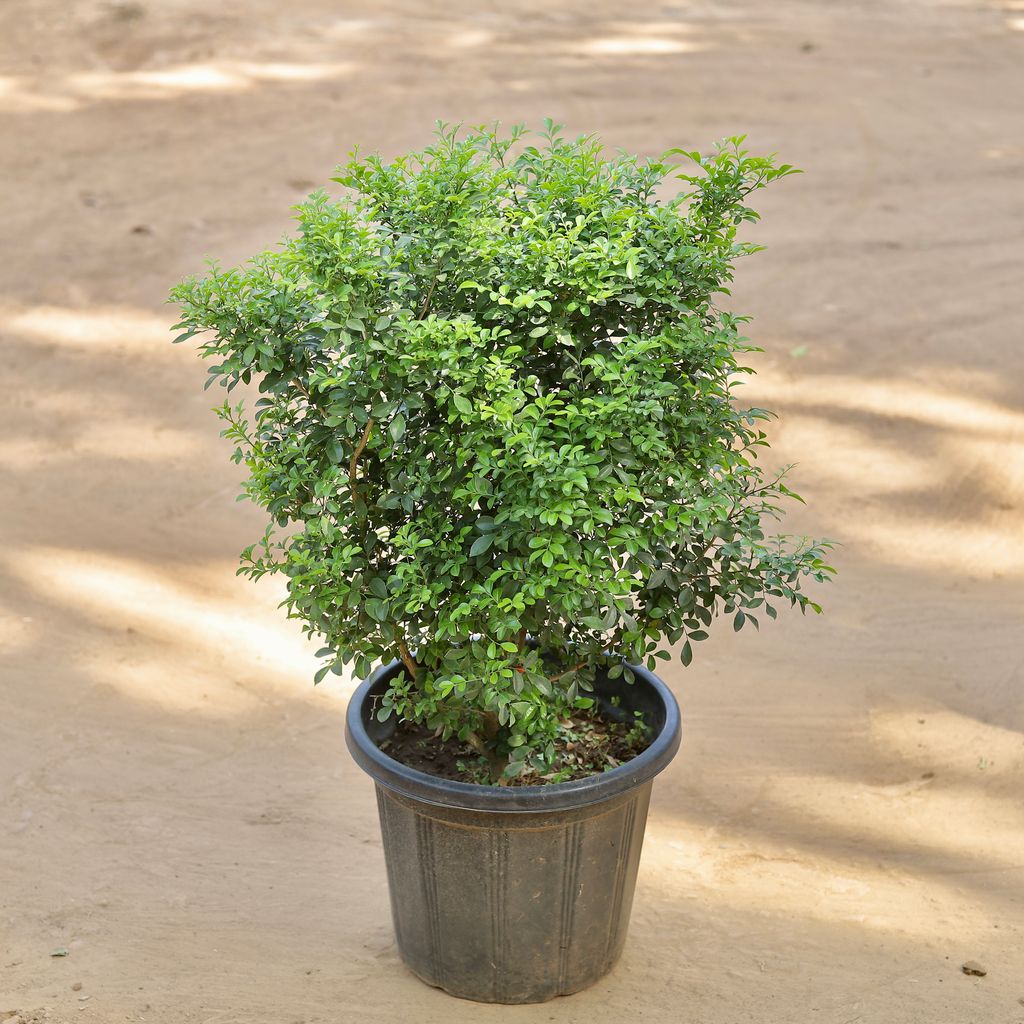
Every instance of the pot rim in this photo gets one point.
(556, 796)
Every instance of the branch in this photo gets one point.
(407, 660)
(355, 458)
(426, 301)
(568, 671)
(496, 763)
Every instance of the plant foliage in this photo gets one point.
(496, 436)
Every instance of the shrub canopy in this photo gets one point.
(497, 436)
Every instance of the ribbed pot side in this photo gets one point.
(513, 894)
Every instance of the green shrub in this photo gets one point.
(496, 437)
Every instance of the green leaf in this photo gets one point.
(397, 427)
(481, 544)
(376, 610)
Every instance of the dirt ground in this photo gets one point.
(844, 825)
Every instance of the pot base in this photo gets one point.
(511, 911)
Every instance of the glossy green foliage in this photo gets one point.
(496, 405)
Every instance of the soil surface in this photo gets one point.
(591, 744)
(417, 747)
(843, 828)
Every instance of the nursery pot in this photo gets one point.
(513, 894)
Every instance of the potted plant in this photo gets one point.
(497, 442)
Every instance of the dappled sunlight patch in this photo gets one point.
(637, 46)
(176, 682)
(98, 328)
(1002, 152)
(236, 638)
(18, 97)
(897, 399)
(966, 466)
(868, 469)
(642, 39)
(723, 867)
(468, 39)
(128, 437)
(921, 841)
(955, 545)
(71, 91)
(117, 437)
(938, 739)
(348, 28)
(911, 814)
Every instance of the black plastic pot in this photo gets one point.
(513, 894)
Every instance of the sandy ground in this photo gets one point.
(844, 826)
